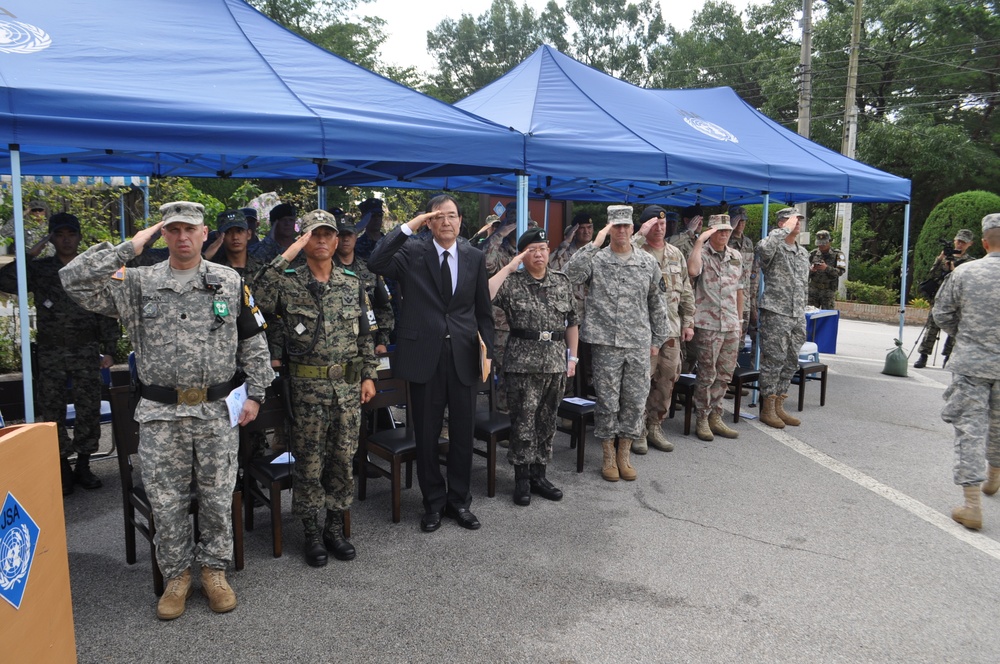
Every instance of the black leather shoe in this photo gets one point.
(430, 522)
(464, 517)
(314, 552)
(544, 488)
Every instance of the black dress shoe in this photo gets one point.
(544, 488)
(464, 517)
(430, 522)
(315, 552)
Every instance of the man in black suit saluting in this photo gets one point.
(446, 301)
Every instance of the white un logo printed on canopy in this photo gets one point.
(709, 128)
(17, 37)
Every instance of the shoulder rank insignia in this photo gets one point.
(119, 274)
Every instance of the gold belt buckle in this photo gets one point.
(335, 372)
(192, 396)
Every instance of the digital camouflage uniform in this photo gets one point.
(69, 344)
(184, 336)
(536, 369)
(626, 316)
(966, 308)
(744, 245)
(680, 315)
(557, 261)
(785, 268)
(36, 227)
(823, 284)
(938, 273)
(324, 325)
(248, 273)
(378, 296)
(717, 325)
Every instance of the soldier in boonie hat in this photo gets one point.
(965, 235)
(720, 222)
(318, 218)
(183, 212)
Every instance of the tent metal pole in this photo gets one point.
(902, 281)
(22, 283)
(545, 222)
(145, 203)
(522, 203)
(760, 285)
(321, 197)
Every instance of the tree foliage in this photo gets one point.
(965, 210)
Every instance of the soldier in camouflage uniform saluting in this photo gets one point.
(192, 325)
(327, 327)
(538, 303)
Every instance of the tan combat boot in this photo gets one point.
(702, 430)
(720, 428)
(610, 469)
(174, 597)
(767, 414)
(779, 410)
(970, 514)
(625, 469)
(639, 444)
(656, 437)
(221, 597)
(992, 481)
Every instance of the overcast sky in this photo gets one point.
(408, 22)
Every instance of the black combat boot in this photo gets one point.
(522, 488)
(333, 536)
(314, 551)
(541, 485)
(944, 361)
(67, 476)
(921, 361)
(83, 475)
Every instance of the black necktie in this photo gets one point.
(445, 278)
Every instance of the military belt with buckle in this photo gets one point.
(332, 372)
(536, 335)
(189, 396)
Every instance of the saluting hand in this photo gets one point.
(707, 233)
(421, 220)
(140, 239)
(602, 236)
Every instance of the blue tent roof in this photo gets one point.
(212, 87)
(590, 136)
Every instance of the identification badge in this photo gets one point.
(220, 308)
(300, 328)
(47, 304)
(150, 310)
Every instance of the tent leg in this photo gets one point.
(22, 282)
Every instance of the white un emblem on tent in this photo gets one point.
(710, 129)
(17, 37)
(18, 543)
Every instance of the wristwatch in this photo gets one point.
(573, 358)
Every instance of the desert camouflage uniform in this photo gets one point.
(536, 369)
(334, 329)
(680, 315)
(626, 316)
(180, 341)
(966, 308)
(717, 325)
(70, 341)
(932, 332)
(785, 268)
(823, 284)
(378, 296)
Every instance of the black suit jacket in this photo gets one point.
(425, 319)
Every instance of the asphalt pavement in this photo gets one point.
(827, 542)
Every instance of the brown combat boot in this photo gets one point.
(970, 514)
(992, 481)
(720, 428)
(610, 469)
(656, 437)
(767, 414)
(625, 469)
(702, 430)
(174, 597)
(779, 410)
(214, 586)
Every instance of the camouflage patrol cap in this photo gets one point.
(991, 221)
(531, 236)
(231, 219)
(318, 218)
(785, 213)
(737, 213)
(493, 219)
(823, 235)
(619, 214)
(720, 222)
(182, 212)
(965, 235)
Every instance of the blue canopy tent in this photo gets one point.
(211, 88)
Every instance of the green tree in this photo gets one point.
(965, 210)
(616, 36)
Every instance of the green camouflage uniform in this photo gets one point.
(536, 369)
(378, 296)
(939, 272)
(323, 325)
(69, 343)
(823, 284)
(966, 308)
(184, 336)
(785, 268)
(626, 316)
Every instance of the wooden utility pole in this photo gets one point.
(805, 77)
(849, 139)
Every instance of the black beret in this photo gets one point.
(281, 211)
(650, 212)
(531, 236)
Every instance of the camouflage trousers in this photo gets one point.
(173, 453)
(533, 401)
(81, 365)
(327, 421)
(781, 339)
(930, 338)
(972, 406)
(621, 380)
(716, 362)
(822, 298)
(500, 336)
(666, 369)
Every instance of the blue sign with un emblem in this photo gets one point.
(18, 543)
